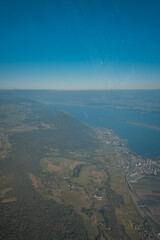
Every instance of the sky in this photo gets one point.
(80, 44)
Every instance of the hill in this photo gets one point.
(31, 132)
(57, 179)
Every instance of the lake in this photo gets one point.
(142, 140)
(101, 112)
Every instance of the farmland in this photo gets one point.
(51, 176)
(148, 190)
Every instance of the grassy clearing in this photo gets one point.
(78, 199)
(85, 175)
(150, 183)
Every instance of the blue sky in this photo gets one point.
(80, 44)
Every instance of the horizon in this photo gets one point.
(42, 89)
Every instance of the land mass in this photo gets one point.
(133, 122)
(61, 179)
(137, 100)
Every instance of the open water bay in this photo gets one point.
(128, 124)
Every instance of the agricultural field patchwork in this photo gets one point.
(148, 190)
(52, 178)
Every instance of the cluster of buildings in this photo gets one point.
(128, 161)
(144, 230)
(133, 167)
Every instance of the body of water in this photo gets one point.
(142, 140)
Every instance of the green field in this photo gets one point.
(148, 190)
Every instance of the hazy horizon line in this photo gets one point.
(42, 89)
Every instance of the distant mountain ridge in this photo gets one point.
(141, 100)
